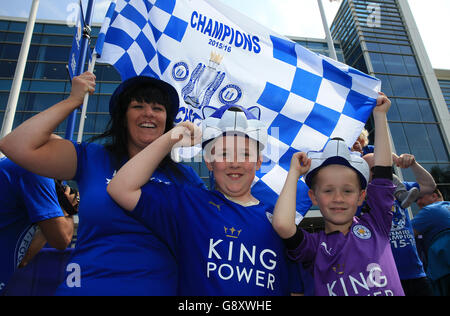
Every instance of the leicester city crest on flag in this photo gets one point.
(215, 56)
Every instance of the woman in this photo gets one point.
(115, 255)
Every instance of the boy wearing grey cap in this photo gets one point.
(352, 257)
(222, 239)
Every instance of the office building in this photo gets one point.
(381, 38)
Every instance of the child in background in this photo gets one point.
(362, 143)
(352, 257)
(409, 265)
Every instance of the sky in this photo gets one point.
(288, 17)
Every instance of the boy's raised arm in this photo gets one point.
(125, 187)
(383, 151)
(283, 220)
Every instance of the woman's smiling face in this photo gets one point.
(145, 123)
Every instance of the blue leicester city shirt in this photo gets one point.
(25, 200)
(222, 248)
(432, 220)
(115, 254)
(403, 244)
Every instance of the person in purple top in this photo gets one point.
(353, 256)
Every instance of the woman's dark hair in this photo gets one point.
(116, 134)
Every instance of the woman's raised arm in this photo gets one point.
(31, 144)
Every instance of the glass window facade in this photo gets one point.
(374, 36)
(46, 79)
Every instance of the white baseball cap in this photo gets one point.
(336, 152)
(233, 119)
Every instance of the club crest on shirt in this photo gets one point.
(362, 232)
(399, 220)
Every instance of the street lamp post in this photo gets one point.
(327, 31)
(10, 111)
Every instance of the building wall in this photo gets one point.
(46, 79)
(380, 38)
(319, 46)
(443, 77)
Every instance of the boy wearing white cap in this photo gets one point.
(222, 239)
(352, 257)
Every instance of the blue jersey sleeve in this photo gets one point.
(159, 208)
(40, 197)
(192, 177)
(161, 202)
(85, 152)
(423, 222)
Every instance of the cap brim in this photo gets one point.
(336, 160)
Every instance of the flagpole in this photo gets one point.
(80, 66)
(85, 102)
(18, 76)
(327, 31)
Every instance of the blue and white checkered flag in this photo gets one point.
(214, 55)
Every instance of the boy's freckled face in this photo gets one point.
(337, 193)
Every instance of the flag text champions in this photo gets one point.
(223, 32)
